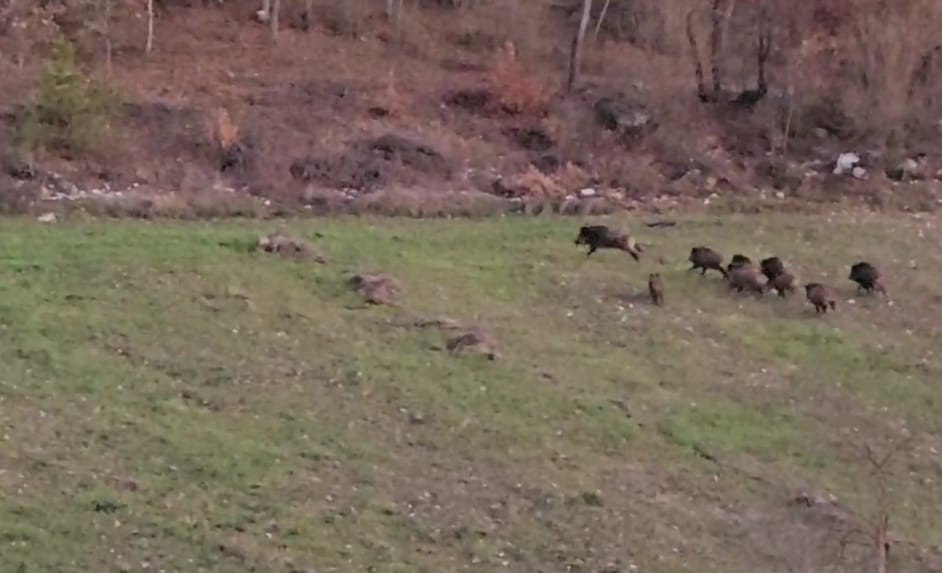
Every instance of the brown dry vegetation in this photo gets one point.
(219, 103)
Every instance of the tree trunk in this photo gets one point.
(716, 46)
(576, 53)
(702, 94)
(883, 542)
(398, 19)
(149, 46)
(308, 16)
(106, 31)
(764, 49)
(275, 9)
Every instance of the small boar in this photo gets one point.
(281, 243)
(783, 283)
(601, 237)
(867, 278)
(821, 297)
(705, 258)
(656, 288)
(772, 267)
(746, 277)
(473, 341)
(737, 261)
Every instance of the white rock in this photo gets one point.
(846, 162)
(48, 218)
(859, 173)
(587, 192)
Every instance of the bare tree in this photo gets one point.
(274, 13)
(719, 23)
(702, 93)
(880, 523)
(106, 32)
(872, 531)
(394, 13)
(576, 53)
(749, 98)
(149, 45)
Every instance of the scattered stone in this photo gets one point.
(48, 218)
(473, 341)
(376, 288)
(859, 173)
(587, 192)
(845, 163)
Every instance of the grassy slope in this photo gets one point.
(170, 400)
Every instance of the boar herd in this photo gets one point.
(740, 273)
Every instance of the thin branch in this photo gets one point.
(598, 25)
(695, 55)
(149, 45)
(576, 52)
(273, 18)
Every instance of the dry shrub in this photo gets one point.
(392, 101)
(517, 89)
(636, 173)
(347, 18)
(657, 25)
(485, 25)
(869, 69)
(411, 203)
(224, 132)
(534, 185)
(889, 43)
(202, 205)
(233, 152)
(16, 197)
(572, 177)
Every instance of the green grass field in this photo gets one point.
(171, 401)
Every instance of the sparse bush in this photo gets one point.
(517, 90)
(345, 18)
(824, 113)
(17, 198)
(72, 113)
